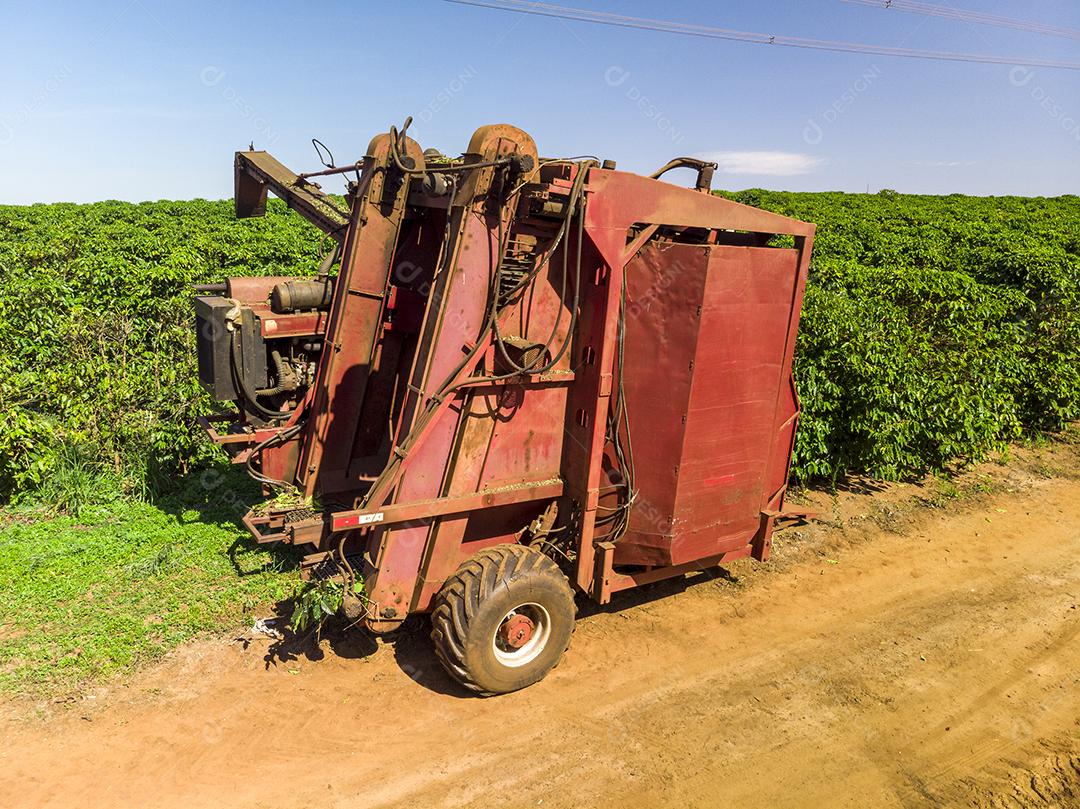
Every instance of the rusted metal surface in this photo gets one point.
(516, 631)
(423, 510)
(256, 173)
(430, 467)
(251, 289)
(426, 439)
(609, 581)
(708, 321)
(355, 323)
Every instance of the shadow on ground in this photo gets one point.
(220, 496)
(411, 646)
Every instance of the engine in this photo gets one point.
(259, 342)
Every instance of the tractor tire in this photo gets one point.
(503, 620)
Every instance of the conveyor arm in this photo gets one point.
(258, 172)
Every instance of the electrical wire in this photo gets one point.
(713, 32)
(432, 402)
(976, 17)
(572, 206)
(395, 154)
(256, 451)
(451, 382)
(619, 422)
(321, 147)
(432, 405)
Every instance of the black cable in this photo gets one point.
(395, 155)
(713, 32)
(320, 147)
(280, 437)
(490, 326)
(976, 17)
(619, 420)
(448, 385)
(433, 401)
(558, 239)
(573, 205)
(347, 569)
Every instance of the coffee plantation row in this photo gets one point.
(935, 330)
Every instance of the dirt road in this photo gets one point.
(903, 655)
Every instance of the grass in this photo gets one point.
(118, 584)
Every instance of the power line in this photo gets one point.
(976, 17)
(711, 32)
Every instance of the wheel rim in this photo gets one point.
(521, 635)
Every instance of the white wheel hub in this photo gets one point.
(521, 635)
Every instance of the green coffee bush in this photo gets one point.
(935, 329)
(97, 351)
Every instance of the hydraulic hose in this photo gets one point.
(282, 374)
(276, 438)
(249, 394)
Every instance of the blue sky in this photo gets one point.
(139, 100)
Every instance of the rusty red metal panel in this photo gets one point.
(619, 202)
(715, 329)
(253, 289)
(456, 315)
(256, 172)
(787, 402)
(609, 581)
(493, 497)
(620, 199)
(739, 376)
(300, 324)
(665, 286)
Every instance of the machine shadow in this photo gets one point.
(220, 496)
(657, 591)
(411, 647)
(343, 641)
(415, 655)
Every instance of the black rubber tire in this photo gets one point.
(472, 603)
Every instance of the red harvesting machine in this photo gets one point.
(512, 379)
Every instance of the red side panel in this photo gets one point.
(732, 420)
(705, 436)
(664, 293)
